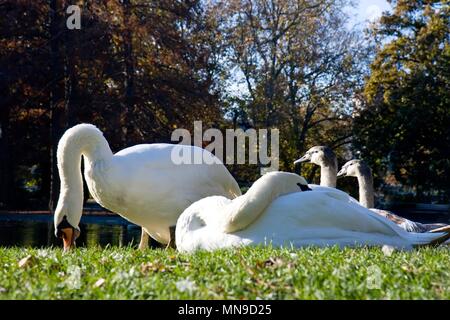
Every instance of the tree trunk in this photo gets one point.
(58, 93)
(6, 175)
(129, 75)
(72, 90)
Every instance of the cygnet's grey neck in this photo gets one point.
(329, 170)
(328, 175)
(366, 192)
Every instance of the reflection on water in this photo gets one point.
(38, 231)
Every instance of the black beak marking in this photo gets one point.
(304, 187)
(63, 225)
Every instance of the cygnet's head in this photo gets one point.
(320, 155)
(354, 168)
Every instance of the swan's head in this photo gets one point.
(319, 155)
(66, 220)
(354, 168)
(283, 183)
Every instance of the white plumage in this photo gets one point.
(140, 183)
(283, 216)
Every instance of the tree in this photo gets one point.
(150, 56)
(58, 94)
(300, 66)
(404, 128)
(23, 84)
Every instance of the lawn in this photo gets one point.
(248, 273)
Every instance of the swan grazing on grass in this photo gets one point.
(140, 183)
(324, 157)
(360, 170)
(275, 211)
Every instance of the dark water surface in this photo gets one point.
(31, 230)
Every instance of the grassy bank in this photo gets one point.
(125, 273)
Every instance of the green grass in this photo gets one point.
(246, 273)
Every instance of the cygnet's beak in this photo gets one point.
(342, 173)
(305, 158)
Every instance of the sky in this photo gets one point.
(368, 10)
(364, 12)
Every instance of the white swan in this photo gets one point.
(360, 170)
(273, 211)
(140, 183)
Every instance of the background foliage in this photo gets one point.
(139, 69)
(404, 128)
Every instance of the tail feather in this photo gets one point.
(443, 239)
(433, 239)
(441, 229)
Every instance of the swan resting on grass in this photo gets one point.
(141, 183)
(280, 210)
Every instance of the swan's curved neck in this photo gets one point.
(366, 193)
(86, 141)
(247, 208)
(328, 175)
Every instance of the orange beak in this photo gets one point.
(69, 236)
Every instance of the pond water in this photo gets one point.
(32, 230)
(37, 231)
